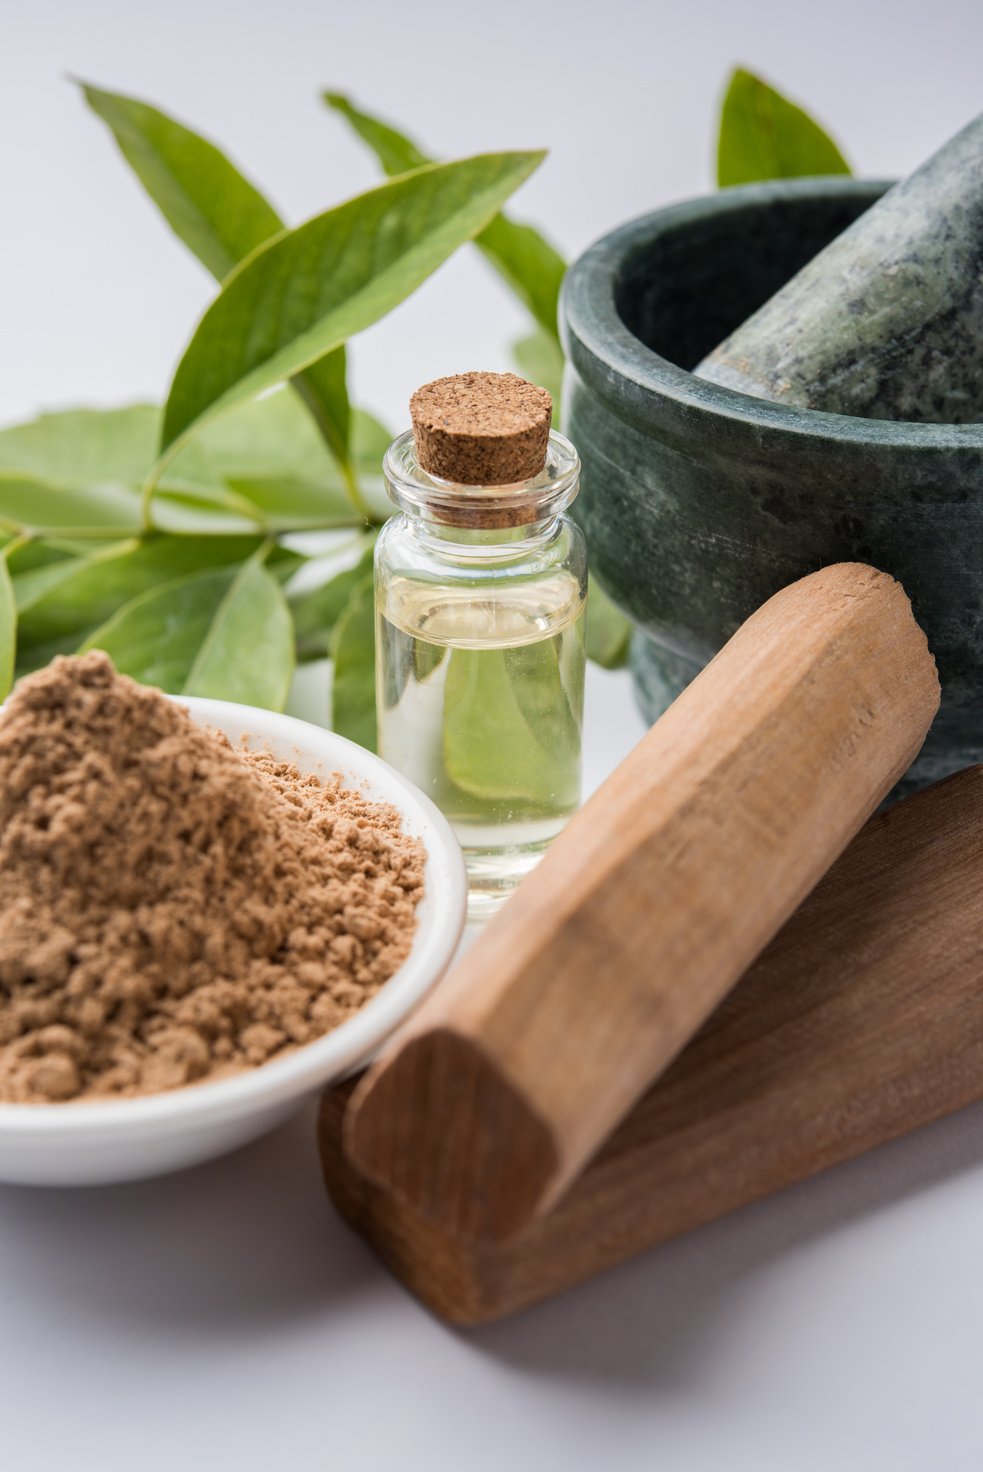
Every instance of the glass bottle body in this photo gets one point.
(480, 673)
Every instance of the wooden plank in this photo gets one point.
(862, 1021)
(650, 906)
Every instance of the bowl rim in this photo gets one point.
(339, 1052)
(618, 366)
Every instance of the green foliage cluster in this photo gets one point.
(164, 534)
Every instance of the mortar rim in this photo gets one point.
(625, 372)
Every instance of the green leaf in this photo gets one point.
(248, 654)
(78, 456)
(540, 359)
(80, 460)
(316, 613)
(519, 253)
(8, 630)
(34, 505)
(530, 266)
(285, 505)
(765, 136)
(263, 465)
(273, 438)
(204, 198)
(85, 446)
(498, 704)
(608, 631)
(37, 656)
(222, 218)
(191, 510)
(323, 388)
(397, 154)
(270, 436)
(30, 555)
(68, 598)
(353, 651)
(312, 288)
(370, 441)
(269, 454)
(224, 634)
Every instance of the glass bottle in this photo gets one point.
(480, 599)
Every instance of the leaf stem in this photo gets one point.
(15, 546)
(150, 485)
(354, 490)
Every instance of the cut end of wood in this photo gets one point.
(862, 1021)
(443, 1130)
(668, 883)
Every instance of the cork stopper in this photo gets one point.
(481, 429)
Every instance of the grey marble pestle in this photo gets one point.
(887, 321)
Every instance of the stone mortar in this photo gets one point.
(699, 502)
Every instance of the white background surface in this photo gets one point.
(225, 1317)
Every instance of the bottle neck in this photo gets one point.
(482, 544)
(465, 519)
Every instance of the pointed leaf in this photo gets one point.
(370, 441)
(272, 437)
(608, 631)
(312, 288)
(204, 198)
(81, 454)
(323, 389)
(156, 636)
(765, 136)
(397, 154)
(37, 554)
(72, 596)
(221, 217)
(223, 634)
(35, 505)
(248, 653)
(8, 630)
(316, 613)
(293, 505)
(37, 656)
(529, 264)
(353, 651)
(269, 454)
(190, 510)
(499, 706)
(263, 465)
(520, 254)
(540, 359)
(77, 460)
(81, 446)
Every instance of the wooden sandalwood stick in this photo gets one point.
(650, 906)
(862, 1021)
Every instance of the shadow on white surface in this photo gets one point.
(230, 1247)
(249, 1244)
(656, 1320)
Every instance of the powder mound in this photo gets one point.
(173, 909)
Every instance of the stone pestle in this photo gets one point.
(887, 321)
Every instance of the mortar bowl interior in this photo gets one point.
(699, 503)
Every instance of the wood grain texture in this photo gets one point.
(862, 1021)
(650, 906)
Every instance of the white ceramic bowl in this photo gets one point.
(121, 1140)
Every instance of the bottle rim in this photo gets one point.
(548, 493)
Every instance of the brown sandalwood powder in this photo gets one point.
(172, 909)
